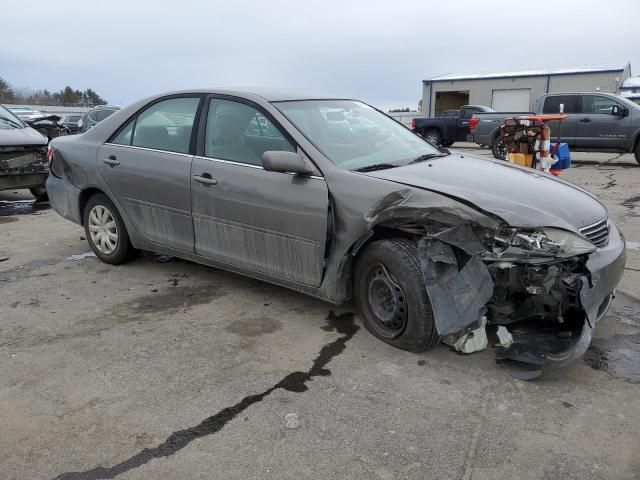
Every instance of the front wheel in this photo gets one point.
(391, 297)
(498, 148)
(637, 152)
(447, 144)
(105, 231)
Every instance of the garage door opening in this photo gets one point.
(450, 101)
(511, 100)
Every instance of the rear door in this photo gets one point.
(598, 127)
(266, 222)
(567, 128)
(147, 167)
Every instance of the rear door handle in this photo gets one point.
(111, 160)
(205, 179)
(585, 120)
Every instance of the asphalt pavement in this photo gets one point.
(167, 369)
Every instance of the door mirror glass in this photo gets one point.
(285, 162)
(619, 111)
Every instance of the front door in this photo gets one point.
(567, 128)
(147, 167)
(268, 222)
(598, 127)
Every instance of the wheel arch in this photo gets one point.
(344, 281)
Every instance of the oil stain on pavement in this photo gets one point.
(619, 355)
(294, 382)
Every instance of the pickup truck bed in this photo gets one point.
(449, 128)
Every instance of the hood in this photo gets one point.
(21, 136)
(521, 196)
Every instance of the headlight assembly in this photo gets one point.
(548, 242)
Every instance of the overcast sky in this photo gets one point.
(375, 50)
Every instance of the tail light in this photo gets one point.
(413, 124)
(473, 123)
(49, 155)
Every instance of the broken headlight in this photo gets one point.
(552, 242)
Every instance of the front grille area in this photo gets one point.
(598, 233)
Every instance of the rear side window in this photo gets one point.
(597, 104)
(552, 104)
(165, 125)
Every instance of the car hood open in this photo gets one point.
(523, 197)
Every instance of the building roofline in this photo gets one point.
(523, 74)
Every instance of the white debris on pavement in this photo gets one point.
(473, 341)
(292, 421)
(504, 336)
(81, 256)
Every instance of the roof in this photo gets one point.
(631, 82)
(268, 94)
(525, 73)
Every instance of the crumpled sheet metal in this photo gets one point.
(402, 206)
(458, 297)
(546, 363)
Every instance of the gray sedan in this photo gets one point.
(283, 187)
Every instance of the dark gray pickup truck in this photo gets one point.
(597, 121)
(452, 126)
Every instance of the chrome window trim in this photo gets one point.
(150, 149)
(240, 164)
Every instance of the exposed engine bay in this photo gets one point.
(530, 293)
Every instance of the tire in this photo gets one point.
(107, 224)
(391, 297)
(40, 193)
(447, 144)
(498, 148)
(636, 151)
(433, 137)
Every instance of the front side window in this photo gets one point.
(597, 104)
(240, 133)
(374, 140)
(552, 104)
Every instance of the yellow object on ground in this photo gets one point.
(524, 159)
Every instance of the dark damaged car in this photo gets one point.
(22, 156)
(431, 245)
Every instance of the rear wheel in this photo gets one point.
(391, 296)
(498, 148)
(105, 231)
(40, 193)
(433, 137)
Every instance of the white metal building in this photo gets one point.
(515, 91)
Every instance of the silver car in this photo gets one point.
(280, 186)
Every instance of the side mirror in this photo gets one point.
(618, 111)
(285, 162)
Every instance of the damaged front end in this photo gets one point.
(537, 292)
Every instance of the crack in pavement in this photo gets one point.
(293, 382)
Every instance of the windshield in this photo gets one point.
(8, 120)
(354, 135)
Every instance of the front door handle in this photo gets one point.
(205, 179)
(585, 120)
(111, 160)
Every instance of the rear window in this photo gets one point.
(552, 104)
